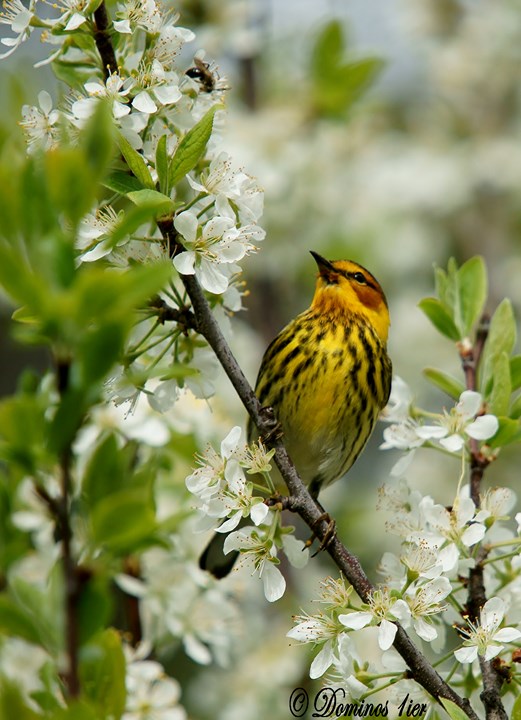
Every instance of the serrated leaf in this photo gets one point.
(151, 199)
(191, 147)
(453, 711)
(122, 182)
(445, 382)
(162, 164)
(135, 162)
(509, 431)
(472, 292)
(440, 317)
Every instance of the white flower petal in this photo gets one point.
(144, 103)
(322, 661)
(167, 94)
(483, 427)
(75, 21)
(473, 534)
(386, 634)
(453, 443)
(466, 654)
(258, 513)
(273, 581)
(356, 620)
(425, 629)
(186, 224)
(184, 262)
(469, 403)
(507, 634)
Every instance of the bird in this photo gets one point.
(326, 376)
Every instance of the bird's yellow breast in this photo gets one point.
(327, 381)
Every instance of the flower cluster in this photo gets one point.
(450, 430)
(157, 99)
(226, 497)
(436, 553)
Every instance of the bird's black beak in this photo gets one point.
(325, 267)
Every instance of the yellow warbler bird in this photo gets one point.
(327, 376)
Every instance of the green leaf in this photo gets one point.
(516, 710)
(152, 199)
(16, 623)
(445, 382)
(515, 372)
(440, 317)
(105, 472)
(70, 182)
(98, 351)
(509, 431)
(336, 83)
(78, 710)
(122, 182)
(499, 398)
(501, 339)
(515, 408)
(97, 139)
(191, 147)
(453, 711)
(42, 608)
(472, 293)
(102, 673)
(12, 702)
(95, 607)
(124, 519)
(162, 164)
(135, 162)
(18, 280)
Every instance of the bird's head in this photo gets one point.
(344, 287)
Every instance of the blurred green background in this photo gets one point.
(391, 137)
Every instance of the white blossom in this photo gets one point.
(115, 89)
(486, 638)
(461, 421)
(260, 553)
(383, 610)
(40, 125)
(18, 17)
(151, 693)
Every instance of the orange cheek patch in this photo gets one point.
(368, 297)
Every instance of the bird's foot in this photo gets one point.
(329, 535)
(273, 429)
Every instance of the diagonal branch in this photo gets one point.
(302, 502)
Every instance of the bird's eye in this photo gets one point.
(360, 278)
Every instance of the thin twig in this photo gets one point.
(70, 569)
(476, 595)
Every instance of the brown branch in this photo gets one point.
(476, 594)
(104, 41)
(302, 502)
(70, 568)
